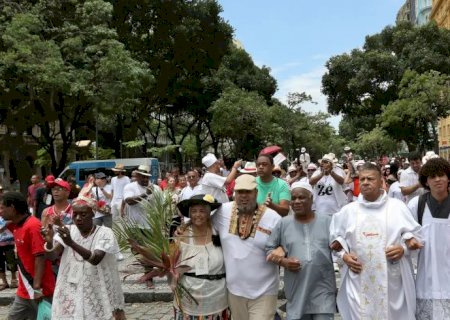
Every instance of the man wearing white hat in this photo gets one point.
(304, 158)
(329, 196)
(118, 184)
(309, 280)
(212, 182)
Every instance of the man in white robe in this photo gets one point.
(431, 210)
(374, 233)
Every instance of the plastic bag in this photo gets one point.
(44, 310)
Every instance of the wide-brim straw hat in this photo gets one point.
(144, 170)
(203, 199)
(119, 168)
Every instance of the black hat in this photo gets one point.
(204, 199)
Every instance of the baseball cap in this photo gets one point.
(61, 183)
(100, 175)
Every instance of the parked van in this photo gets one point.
(81, 169)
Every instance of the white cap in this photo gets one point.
(209, 160)
(292, 168)
(312, 166)
(359, 163)
(303, 185)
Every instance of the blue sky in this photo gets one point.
(296, 37)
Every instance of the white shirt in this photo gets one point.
(329, 196)
(188, 192)
(409, 178)
(136, 212)
(396, 192)
(249, 275)
(214, 185)
(97, 194)
(118, 184)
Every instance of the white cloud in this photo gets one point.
(310, 83)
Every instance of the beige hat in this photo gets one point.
(245, 182)
(328, 157)
(144, 170)
(209, 160)
(292, 168)
(119, 167)
(250, 167)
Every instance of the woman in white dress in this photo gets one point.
(206, 279)
(88, 284)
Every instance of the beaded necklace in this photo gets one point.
(90, 246)
(243, 231)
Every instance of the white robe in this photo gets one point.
(383, 290)
(433, 268)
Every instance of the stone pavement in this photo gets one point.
(142, 311)
(141, 302)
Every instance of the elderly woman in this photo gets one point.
(206, 279)
(88, 284)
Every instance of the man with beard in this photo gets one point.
(244, 228)
(310, 284)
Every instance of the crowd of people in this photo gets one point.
(384, 225)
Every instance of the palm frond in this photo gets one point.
(154, 248)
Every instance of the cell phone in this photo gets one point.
(269, 195)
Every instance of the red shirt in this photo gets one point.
(29, 243)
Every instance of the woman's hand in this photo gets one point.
(64, 233)
(48, 233)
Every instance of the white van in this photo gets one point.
(81, 169)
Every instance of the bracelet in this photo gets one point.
(91, 257)
(38, 291)
(47, 249)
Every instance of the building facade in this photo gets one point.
(423, 11)
(407, 12)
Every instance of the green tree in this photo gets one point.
(423, 100)
(60, 63)
(374, 143)
(362, 81)
(241, 119)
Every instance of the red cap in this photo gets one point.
(61, 183)
(50, 179)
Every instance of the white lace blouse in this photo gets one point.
(84, 291)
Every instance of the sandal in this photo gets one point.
(150, 284)
(14, 283)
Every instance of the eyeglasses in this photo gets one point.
(312, 170)
(58, 189)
